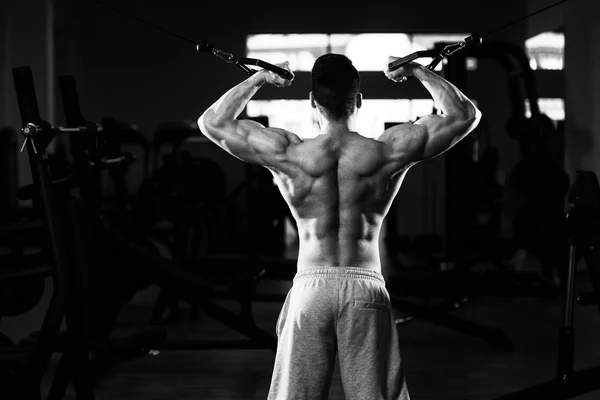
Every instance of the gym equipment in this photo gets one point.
(472, 40)
(182, 189)
(438, 55)
(22, 233)
(174, 135)
(192, 286)
(24, 264)
(204, 220)
(77, 343)
(24, 272)
(458, 210)
(583, 218)
(116, 191)
(25, 365)
(451, 278)
(102, 150)
(183, 206)
(539, 178)
(460, 235)
(101, 289)
(243, 63)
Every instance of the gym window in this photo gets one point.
(546, 50)
(368, 51)
(553, 108)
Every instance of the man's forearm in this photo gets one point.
(447, 97)
(232, 103)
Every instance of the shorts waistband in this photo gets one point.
(339, 273)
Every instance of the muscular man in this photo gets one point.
(339, 187)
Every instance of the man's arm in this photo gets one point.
(246, 139)
(433, 134)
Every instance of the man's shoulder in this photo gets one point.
(290, 136)
(395, 132)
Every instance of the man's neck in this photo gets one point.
(336, 127)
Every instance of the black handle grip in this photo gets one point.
(471, 41)
(284, 73)
(394, 65)
(204, 47)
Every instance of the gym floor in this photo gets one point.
(439, 363)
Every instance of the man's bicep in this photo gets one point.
(441, 133)
(233, 136)
(407, 142)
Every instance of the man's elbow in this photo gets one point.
(472, 116)
(477, 117)
(212, 128)
(206, 125)
(202, 124)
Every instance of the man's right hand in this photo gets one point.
(276, 80)
(402, 73)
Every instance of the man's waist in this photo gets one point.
(339, 272)
(311, 260)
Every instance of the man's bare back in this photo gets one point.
(339, 185)
(339, 188)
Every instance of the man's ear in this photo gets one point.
(359, 100)
(311, 97)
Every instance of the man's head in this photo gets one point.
(335, 86)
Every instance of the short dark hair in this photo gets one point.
(335, 84)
